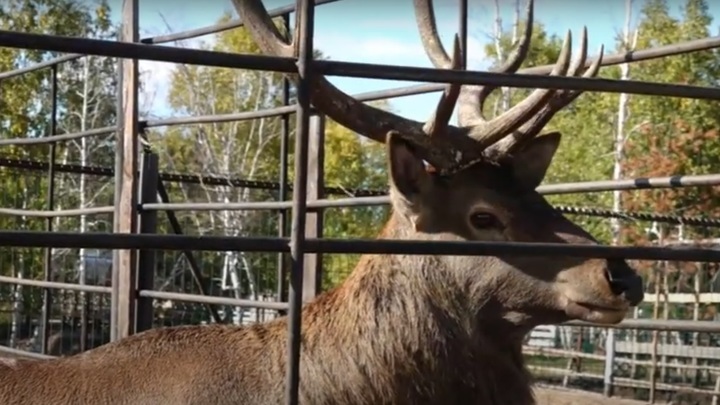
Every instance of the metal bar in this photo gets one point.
(643, 183)
(665, 325)
(55, 285)
(97, 240)
(40, 239)
(198, 278)
(405, 91)
(475, 248)
(125, 217)
(24, 354)
(160, 39)
(99, 47)
(214, 29)
(674, 181)
(57, 138)
(463, 31)
(147, 224)
(283, 186)
(314, 218)
(57, 213)
(304, 26)
(347, 69)
(47, 293)
(208, 299)
(515, 80)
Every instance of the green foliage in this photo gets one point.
(86, 92)
(251, 150)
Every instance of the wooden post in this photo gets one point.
(126, 185)
(312, 276)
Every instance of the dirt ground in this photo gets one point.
(553, 396)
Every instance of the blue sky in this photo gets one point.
(375, 31)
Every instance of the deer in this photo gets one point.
(400, 329)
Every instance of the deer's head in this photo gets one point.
(480, 183)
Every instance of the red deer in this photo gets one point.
(401, 329)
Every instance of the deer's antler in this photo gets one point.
(444, 146)
(525, 120)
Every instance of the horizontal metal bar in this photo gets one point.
(413, 247)
(547, 189)
(206, 299)
(57, 138)
(55, 285)
(160, 39)
(424, 88)
(42, 65)
(41, 239)
(641, 183)
(97, 240)
(663, 51)
(57, 213)
(658, 324)
(24, 353)
(24, 40)
(420, 74)
(265, 205)
(347, 69)
(217, 28)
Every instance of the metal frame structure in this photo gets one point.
(138, 181)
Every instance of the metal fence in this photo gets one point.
(125, 287)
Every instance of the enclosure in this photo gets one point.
(169, 231)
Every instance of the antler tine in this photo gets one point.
(366, 120)
(486, 133)
(427, 27)
(559, 101)
(438, 124)
(472, 99)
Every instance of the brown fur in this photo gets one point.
(413, 329)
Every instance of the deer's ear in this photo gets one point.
(407, 171)
(531, 163)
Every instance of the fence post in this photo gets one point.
(147, 224)
(314, 222)
(284, 214)
(48, 265)
(125, 216)
(609, 362)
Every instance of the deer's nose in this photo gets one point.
(624, 281)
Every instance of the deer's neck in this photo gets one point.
(404, 331)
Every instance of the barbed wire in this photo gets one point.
(348, 192)
(640, 216)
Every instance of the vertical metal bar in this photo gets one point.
(304, 16)
(126, 210)
(149, 178)
(463, 32)
(200, 282)
(282, 195)
(609, 363)
(47, 292)
(314, 220)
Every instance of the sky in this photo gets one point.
(375, 31)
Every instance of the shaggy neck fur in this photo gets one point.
(406, 333)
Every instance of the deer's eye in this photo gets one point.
(484, 220)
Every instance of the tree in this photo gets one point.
(84, 99)
(250, 150)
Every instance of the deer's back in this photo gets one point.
(184, 365)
